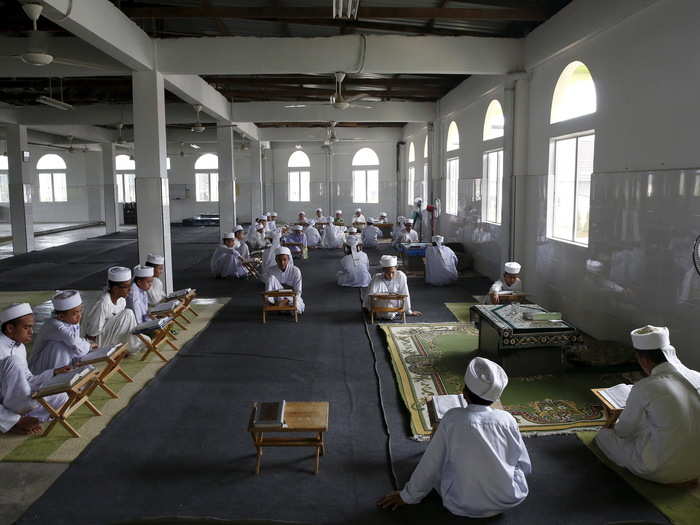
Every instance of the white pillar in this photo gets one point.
(20, 179)
(152, 194)
(428, 196)
(256, 183)
(111, 203)
(227, 179)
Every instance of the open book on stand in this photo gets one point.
(99, 354)
(178, 293)
(616, 395)
(443, 404)
(164, 307)
(150, 327)
(62, 382)
(269, 415)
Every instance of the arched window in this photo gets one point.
(411, 182)
(125, 168)
(4, 182)
(574, 94)
(51, 171)
(206, 175)
(571, 157)
(365, 176)
(425, 170)
(299, 177)
(452, 170)
(494, 121)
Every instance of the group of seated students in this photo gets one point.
(67, 336)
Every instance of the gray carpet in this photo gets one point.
(180, 448)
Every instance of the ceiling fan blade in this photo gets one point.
(16, 57)
(80, 63)
(356, 97)
(360, 106)
(296, 106)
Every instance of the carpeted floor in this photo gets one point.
(180, 448)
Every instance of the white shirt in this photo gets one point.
(156, 292)
(101, 312)
(440, 265)
(370, 235)
(397, 285)
(58, 344)
(137, 300)
(500, 286)
(657, 435)
(476, 461)
(359, 219)
(354, 270)
(405, 236)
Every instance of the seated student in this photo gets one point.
(109, 321)
(226, 260)
(406, 235)
(297, 235)
(272, 221)
(284, 276)
(370, 234)
(354, 266)
(319, 217)
(338, 219)
(440, 263)
(476, 460)
(59, 342)
(156, 294)
(242, 247)
(657, 434)
(383, 218)
(256, 240)
(510, 282)
(268, 256)
(313, 237)
(397, 228)
(333, 237)
(390, 280)
(301, 217)
(359, 219)
(137, 300)
(19, 413)
(352, 232)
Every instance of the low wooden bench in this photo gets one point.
(160, 337)
(381, 297)
(112, 365)
(274, 307)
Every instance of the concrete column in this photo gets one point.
(20, 179)
(227, 180)
(110, 188)
(429, 197)
(152, 193)
(256, 182)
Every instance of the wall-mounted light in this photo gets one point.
(298, 146)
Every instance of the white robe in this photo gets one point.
(137, 301)
(111, 323)
(268, 257)
(290, 278)
(500, 286)
(227, 262)
(333, 237)
(354, 270)
(440, 265)
(243, 249)
(657, 435)
(476, 461)
(404, 236)
(298, 238)
(58, 344)
(256, 240)
(313, 237)
(398, 285)
(359, 219)
(156, 293)
(370, 235)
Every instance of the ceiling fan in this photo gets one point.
(331, 137)
(36, 53)
(337, 100)
(198, 127)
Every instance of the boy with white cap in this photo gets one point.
(510, 282)
(319, 217)
(137, 300)
(383, 218)
(354, 267)
(242, 247)
(297, 236)
(283, 276)
(476, 460)
(333, 237)
(440, 263)
(408, 234)
(256, 236)
(338, 220)
(109, 321)
(390, 280)
(657, 434)
(359, 219)
(272, 221)
(370, 234)
(397, 228)
(19, 413)
(59, 343)
(268, 256)
(156, 293)
(313, 237)
(226, 260)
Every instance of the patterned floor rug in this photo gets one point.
(430, 359)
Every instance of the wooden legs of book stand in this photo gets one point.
(317, 442)
(375, 308)
(77, 396)
(274, 307)
(112, 366)
(161, 337)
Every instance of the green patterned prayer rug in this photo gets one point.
(430, 359)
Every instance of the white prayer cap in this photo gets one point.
(383, 214)
(274, 214)
(302, 212)
(68, 299)
(118, 274)
(297, 227)
(283, 250)
(358, 210)
(370, 220)
(144, 271)
(352, 229)
(438, 239)
(338, 212)
(267, 213)
(319, 209)
(387, 261)
(263, 217)
(238, 228)
(650, 338)
(15, 311)
(229, 235)
(485, 379)
(155, 259)
(408, 221)
(512, 267)
(400, 218)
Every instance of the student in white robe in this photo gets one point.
(284, 276)
(227, 260)
(333, 237)
(313, 237)
(351, 232)
(397, 228)
(319, 217)
(272, 221)
(256, 240)
(358, 219)
(390, 280)
(59, 342)
(109, 321)
(440, 263)
(338, 219)
(370, 234)
(301, 218)
(296, 236)
(19, 413)
(137, 300)
(156, 294)
(510, 282)
(354, 266)
(657, 434)
(268, 256)
(383, 218)
(476, 460)
(406, 235)
(242, 246)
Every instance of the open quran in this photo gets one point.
(164, 307)
(99, 354)
(269, 415)
(150, 327)
(62, 382)
(178, 293)
(616, 395)
(445, 403)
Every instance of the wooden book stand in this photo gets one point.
(77, 396)
(274, 307)
(377, 297)
(175, 314)
(252, 265)
(112, 366)
(162, 336)
(187, 304)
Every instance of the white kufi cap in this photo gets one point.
(283, 250)
(485, 378)
(358, 210)
(229, 235)
(143, 271)
(155, 259)
(338, 212)
(388, 261)
(383, 214)
(238, 228)
(408, 221)
(370, 220)
(438, 239)
(297, 227)
(118, 274)
(319, 209)
(69, 299)
(512, 267)
(274, 214)
(15, 311)
(352, 229)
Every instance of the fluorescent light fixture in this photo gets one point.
(194, 146)
(54, 103)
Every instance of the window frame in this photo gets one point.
(212, 182)
(452, 186)
(4, 180)
(365, 170)
(484, 188)
(299, 171)
(52, 176)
